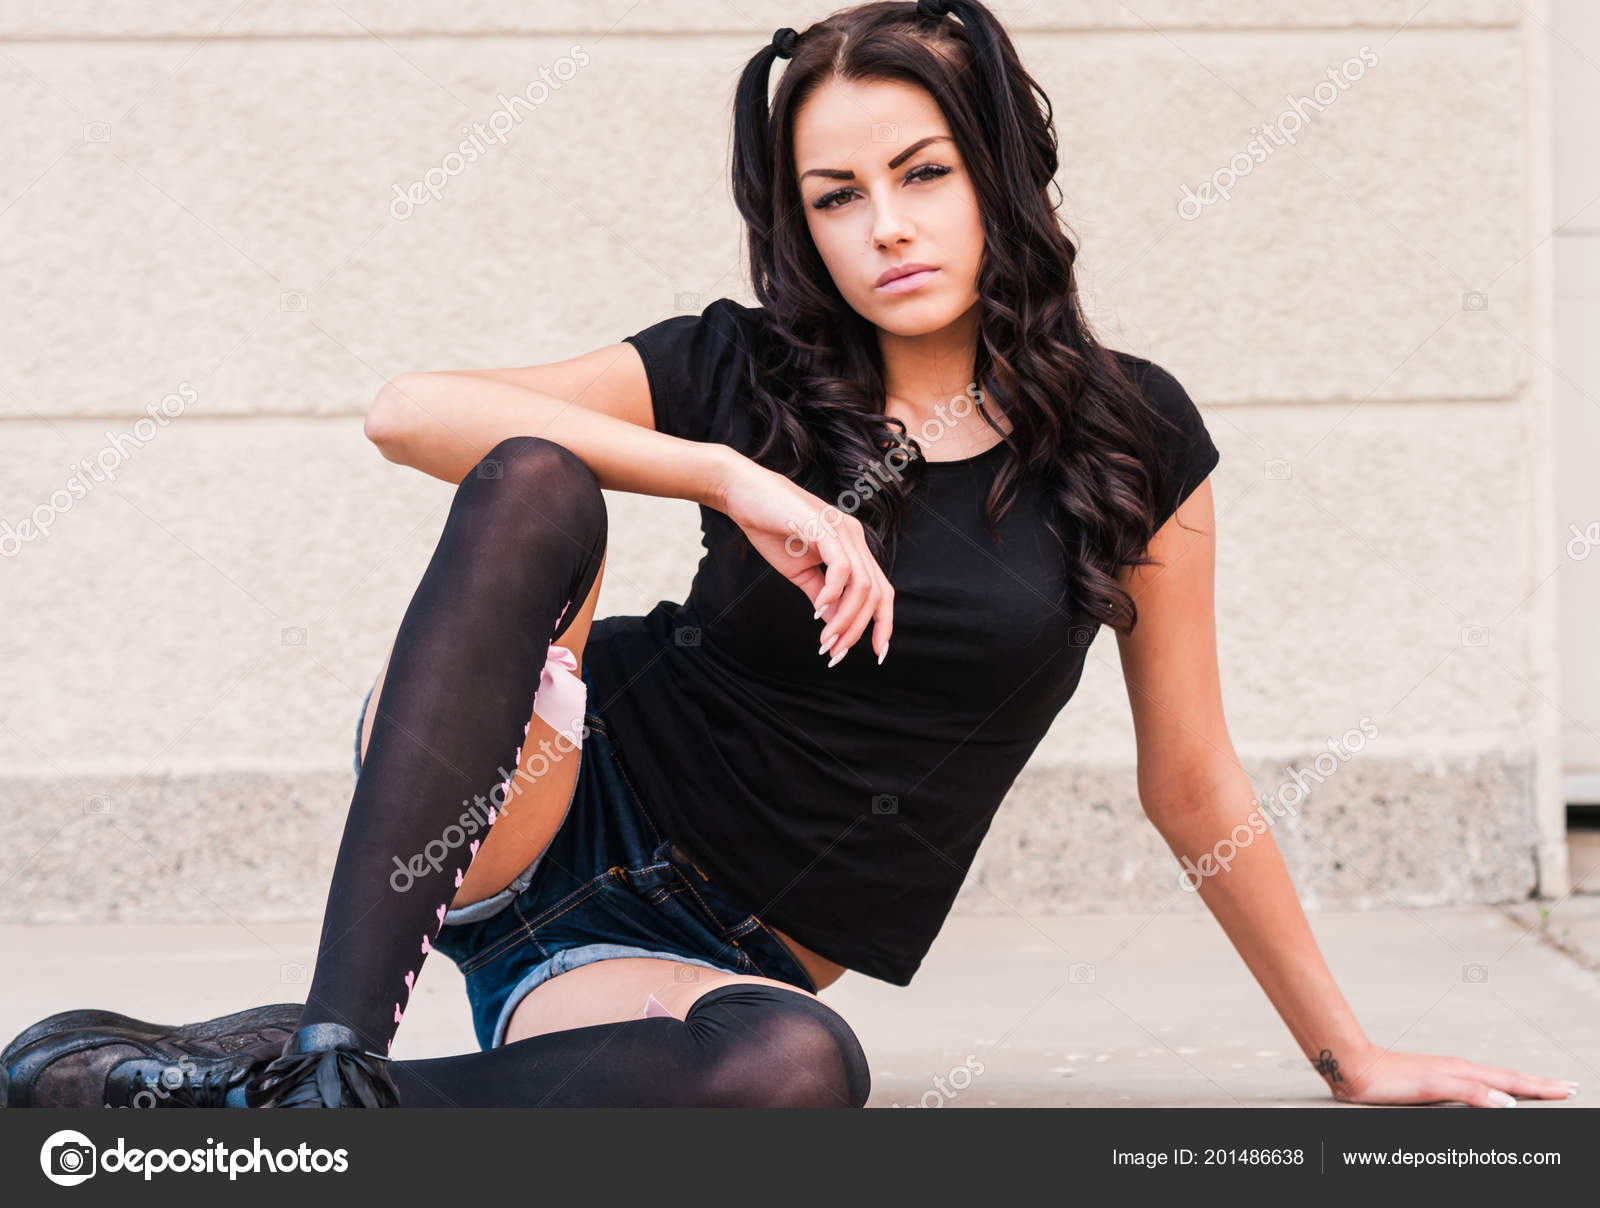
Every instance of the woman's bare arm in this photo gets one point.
(598, 405)
(1195, 791)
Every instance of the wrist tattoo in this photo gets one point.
(1327, 1066)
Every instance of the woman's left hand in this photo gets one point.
(1382, 1076)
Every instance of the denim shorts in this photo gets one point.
(609, 884)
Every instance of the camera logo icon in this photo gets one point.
(67, 1158)
(885, 803)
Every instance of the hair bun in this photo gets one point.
(783, 42)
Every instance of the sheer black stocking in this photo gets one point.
(520, 550)
(740, 1045)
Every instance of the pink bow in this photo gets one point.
(562, 695)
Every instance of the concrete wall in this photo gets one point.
(196, 205)
(1575, 226)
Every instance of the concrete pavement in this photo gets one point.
(1081, 1010)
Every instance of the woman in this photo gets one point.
(913, 442)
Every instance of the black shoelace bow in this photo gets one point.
(318, 1079)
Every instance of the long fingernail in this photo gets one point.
(1501, 1099)
(883, 654)
(826, 642)
(838, 656)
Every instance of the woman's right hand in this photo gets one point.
(819, 548)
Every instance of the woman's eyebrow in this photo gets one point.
(843, 174)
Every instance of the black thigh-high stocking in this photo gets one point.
(739, 1045)
(519, 552)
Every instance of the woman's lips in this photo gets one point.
(911, 281)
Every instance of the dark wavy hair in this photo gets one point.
(1080, 426)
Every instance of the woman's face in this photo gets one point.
(883, 186)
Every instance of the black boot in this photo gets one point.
(324, 1065)
(103, 1059)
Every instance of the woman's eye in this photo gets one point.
(926, 172)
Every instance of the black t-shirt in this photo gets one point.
(844, 805)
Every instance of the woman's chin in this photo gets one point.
(917, 321)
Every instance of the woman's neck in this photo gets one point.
(928, 384)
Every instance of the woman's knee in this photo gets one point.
(781, 1048)
(543, 479)
(528, 491)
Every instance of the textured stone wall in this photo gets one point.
(198, 205)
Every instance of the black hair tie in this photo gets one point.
(932, 8)
(783, 42)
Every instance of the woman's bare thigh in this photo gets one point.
(535, 805)
(618, 989)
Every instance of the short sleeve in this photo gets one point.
(697, 367)
(1185, 452)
